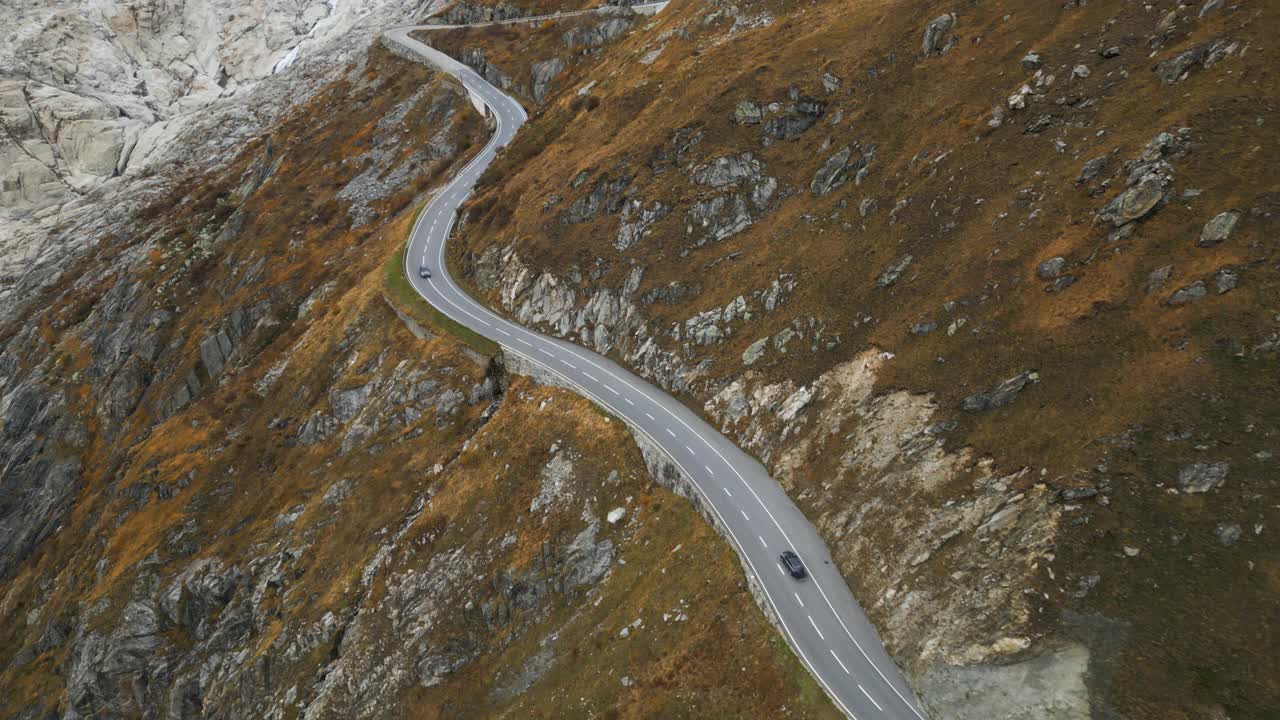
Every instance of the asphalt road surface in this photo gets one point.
(819, 617)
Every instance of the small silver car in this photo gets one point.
(424, 272)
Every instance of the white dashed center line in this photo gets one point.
(762, 542)
(588, 376)
(864, 691)
(526, 342)
(726, 491)
(504, 332)
(544, 352)
(670, 433)
(650, 416)
(798, 599)
(745, 516)
(629, 401)
(815, 627)
(566, 362)
(610, 389)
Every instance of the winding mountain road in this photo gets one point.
(818, 615)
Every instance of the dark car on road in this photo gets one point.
(792, 563)
(424, 272)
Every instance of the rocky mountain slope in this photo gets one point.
(238, 480)
(991, 289)
(96, 98)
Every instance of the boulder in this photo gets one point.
(1180, 66)
(1158, 277)
(1002, 394)
(1227, 533)
(1225, 280)
(747, 112)
(1134, 203)
(937, 35)
(1218, 229)
(790, 125)
(1091, 169)
(1202, 477)
(755, 351)
(893, 272)
(832, 174)
(1187, 294)
(799, 400)
(1051, 268)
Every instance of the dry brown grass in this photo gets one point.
(1112, 358)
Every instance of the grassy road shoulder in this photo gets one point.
(402, 293)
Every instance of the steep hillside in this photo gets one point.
(236, 480)
(990, 289)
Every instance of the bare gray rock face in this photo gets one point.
(593, 36)
(721, 216)
(840, 167)
(1051, 685)
(636, 221)
(606, 195)
(541, 74)
(474, 58)
(88, 84)
(465, 13)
